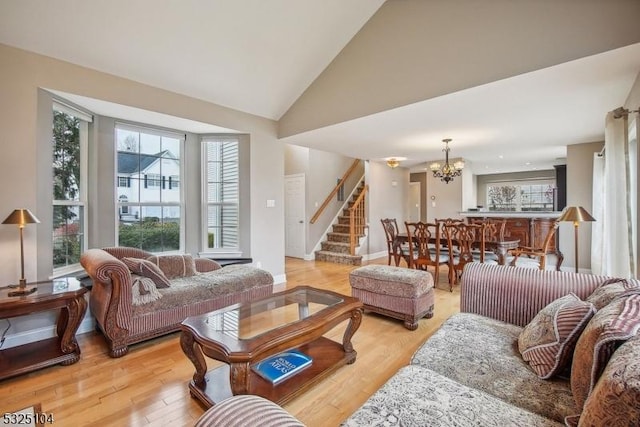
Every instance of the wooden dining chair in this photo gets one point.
(395, 249)
(494, 230)
(532, 257)
(461, 239)
(424, 247)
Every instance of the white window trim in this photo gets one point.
(84, 182)
(207, 251)
(182, 137)
(516, 183)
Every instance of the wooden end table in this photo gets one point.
(243, 334)
(65, 294)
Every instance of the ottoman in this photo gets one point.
(397, 292)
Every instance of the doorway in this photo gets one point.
(294, 215)
(414, 201)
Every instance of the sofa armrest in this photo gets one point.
(515, 295)
(247, 410)
(111, 300)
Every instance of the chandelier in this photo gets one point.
(446, 172)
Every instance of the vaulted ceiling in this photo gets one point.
(367, 78)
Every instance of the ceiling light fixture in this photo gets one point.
(393, 163)
(446, 172)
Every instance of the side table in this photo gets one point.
(67, 295)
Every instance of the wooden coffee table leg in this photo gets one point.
(240, 378)
(354, 324)
(192, 350)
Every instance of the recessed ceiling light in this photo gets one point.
(500, 156)
(528, 163)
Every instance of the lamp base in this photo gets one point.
(21, 292)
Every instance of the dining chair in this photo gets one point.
(533, 257)
(461, 239)
(424, 247)
(494, 230)
(395, 249)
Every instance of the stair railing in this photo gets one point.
(357, 220)
(334, 191)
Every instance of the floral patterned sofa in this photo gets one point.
(138, 296)
(471, 371)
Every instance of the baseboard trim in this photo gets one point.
(33, 335)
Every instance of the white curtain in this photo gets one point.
(597, 227)
(611, 234)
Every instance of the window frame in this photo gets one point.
(518, 184)
(82, 202)
(151, 130)
(224, 251)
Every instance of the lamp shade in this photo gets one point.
(21, 217)
(576, 214)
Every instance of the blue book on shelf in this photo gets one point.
(282, 366)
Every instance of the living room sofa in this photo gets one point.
(198, 286)
(471, 372)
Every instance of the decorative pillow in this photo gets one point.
(547, 342)
(614, 399)
(608, 290)
(147, 269)
(143, 290)
(617, 321)
(175, 266)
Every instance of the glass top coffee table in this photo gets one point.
(243, 334)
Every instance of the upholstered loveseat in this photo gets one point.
(131, 308)
(471, 372)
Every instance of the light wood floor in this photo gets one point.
(148, 386)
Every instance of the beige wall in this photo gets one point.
(23, 73)
(389, 62)
(388, 195)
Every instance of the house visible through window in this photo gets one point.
(221, 192)
(70, 141)
(521, 196)
(150, 210)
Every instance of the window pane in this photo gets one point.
(152, 228)
(66, 157)
(68, 235)
(222, 226)
(149, 208)
(222, 193)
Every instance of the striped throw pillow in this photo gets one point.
(547, 342)
(147, 269)
(612, 325)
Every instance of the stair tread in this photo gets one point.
(339, 254)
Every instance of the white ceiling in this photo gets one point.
(259, 56)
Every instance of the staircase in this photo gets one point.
(336, 248)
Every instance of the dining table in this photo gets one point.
(498, 247)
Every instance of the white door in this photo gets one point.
(294, 216)
(414, 201)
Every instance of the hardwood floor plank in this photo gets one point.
(148, 386)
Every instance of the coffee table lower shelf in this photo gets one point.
(327, 356)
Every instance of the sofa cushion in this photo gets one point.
(482, 353)
(618, 321)
(418, 396)
(174, 266)
(615, 399)
(608, 290)
(148, 269)
(188, 291)
(547, 342)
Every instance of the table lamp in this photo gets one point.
(21, 217)
(577, 214)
